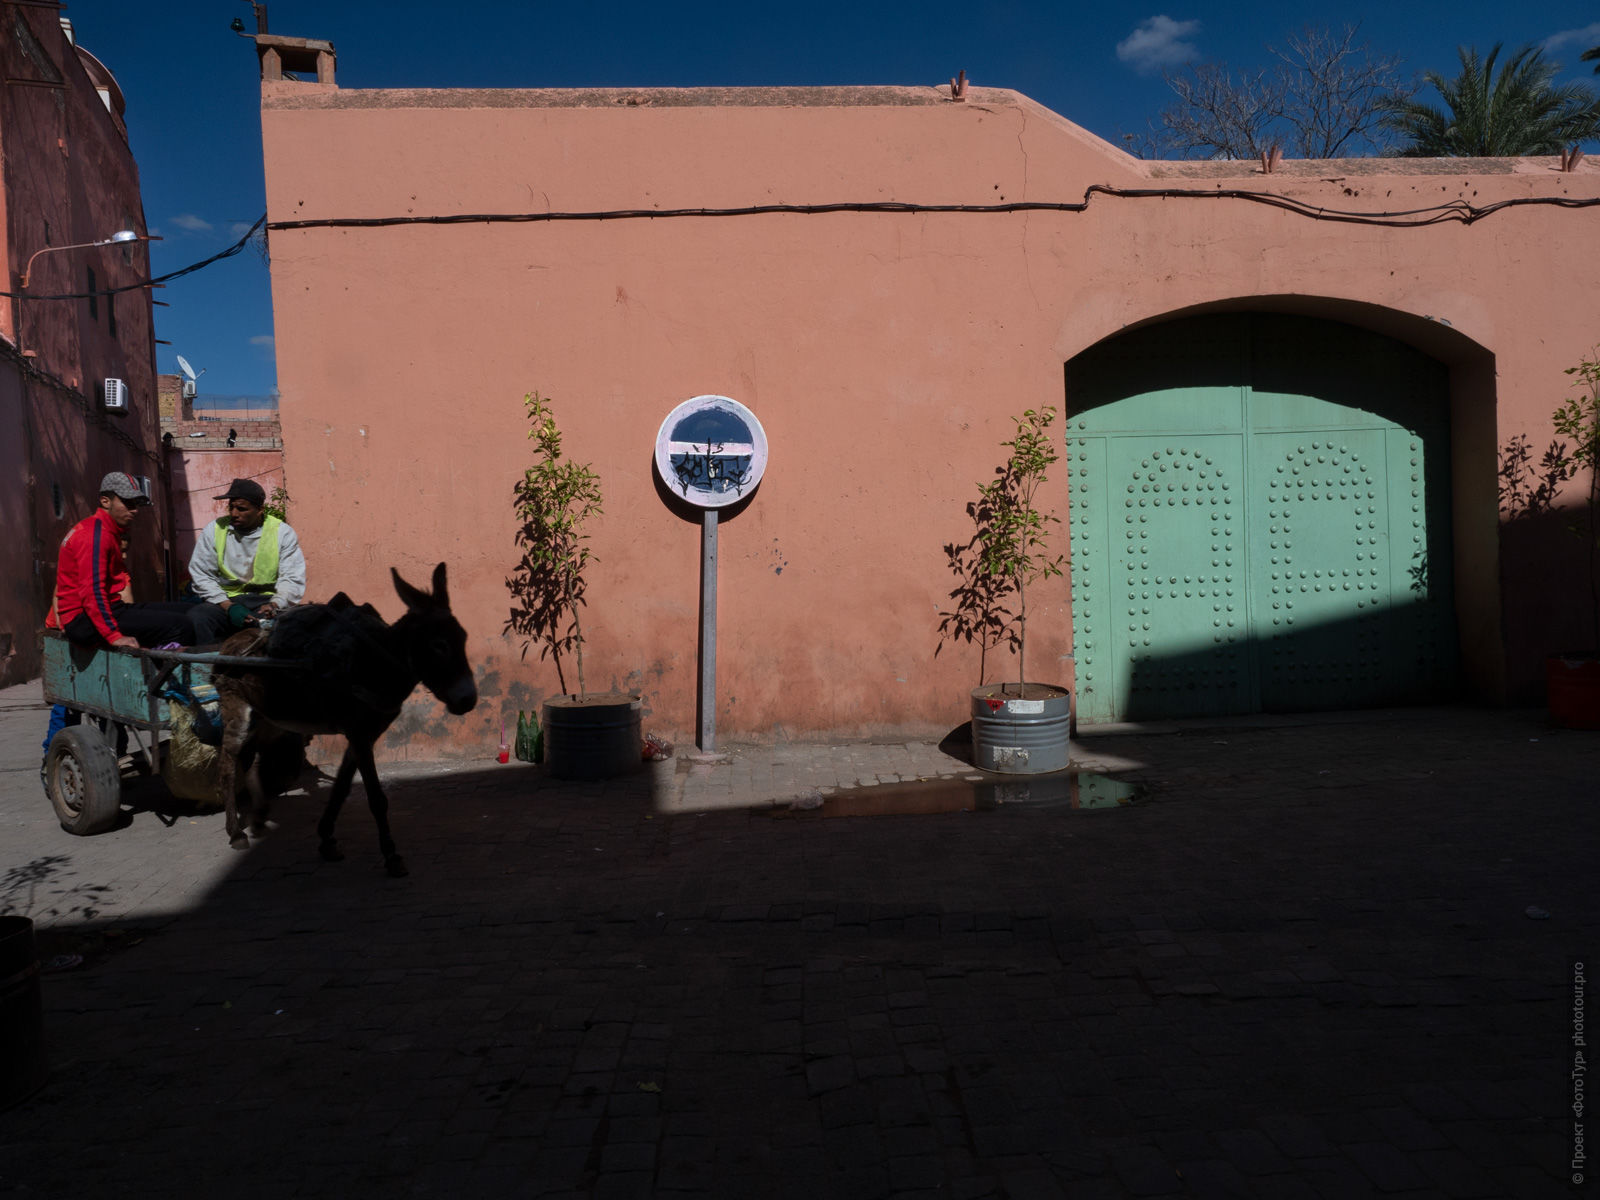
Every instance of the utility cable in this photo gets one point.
(91, 413)
(134, 287)
(1457, 211)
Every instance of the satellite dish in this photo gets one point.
(188, 371)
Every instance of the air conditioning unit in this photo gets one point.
(189, 389)
(116, 396)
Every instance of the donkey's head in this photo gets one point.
(438, 644)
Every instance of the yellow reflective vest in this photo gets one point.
(263, 571)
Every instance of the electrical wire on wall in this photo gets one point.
(1458, 211)
(90, 411)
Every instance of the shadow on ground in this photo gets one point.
(1305, 958)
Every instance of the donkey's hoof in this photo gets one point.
(330, 851)
(239, 842)
(396, 866)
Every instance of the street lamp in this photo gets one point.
(122, 235)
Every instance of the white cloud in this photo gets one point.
(263, 339)
(1581, 39)
(240, 228)
(1159, 41)
(190, 223)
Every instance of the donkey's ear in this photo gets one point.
(413, 597)
(441, 590)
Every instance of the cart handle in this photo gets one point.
(175, 658)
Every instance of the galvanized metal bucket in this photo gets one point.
(1015, 735)
(593, 736)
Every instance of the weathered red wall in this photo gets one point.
(884, 353)
(68, 177)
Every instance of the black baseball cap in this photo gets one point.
(245, 489)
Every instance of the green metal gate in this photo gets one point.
(1259, 510)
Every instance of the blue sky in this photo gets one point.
(193, 116)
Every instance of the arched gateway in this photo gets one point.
(1260, 519)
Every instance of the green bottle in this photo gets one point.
(530, 738)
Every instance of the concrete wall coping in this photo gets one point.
(289, 95)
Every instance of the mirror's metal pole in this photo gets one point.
(707, 737)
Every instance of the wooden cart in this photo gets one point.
(120, 696)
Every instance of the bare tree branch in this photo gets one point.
(1218, 116)
(1337, 91)
(1324, 99)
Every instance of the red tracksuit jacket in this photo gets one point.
(90, 574)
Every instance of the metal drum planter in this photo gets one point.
(22, 1066)
(593, 736)
(1021, 735)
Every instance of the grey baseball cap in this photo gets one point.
(119, 483)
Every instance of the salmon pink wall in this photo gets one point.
(884, 352)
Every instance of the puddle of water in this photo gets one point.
(982, 793)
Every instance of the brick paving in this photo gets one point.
(1299, 964)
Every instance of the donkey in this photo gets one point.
(354, 673)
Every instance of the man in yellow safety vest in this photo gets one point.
(246, 566)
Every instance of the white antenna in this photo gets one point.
(188, 371)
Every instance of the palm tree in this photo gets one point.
(1590, 55)
(1518, 111)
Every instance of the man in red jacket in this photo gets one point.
(91, 606)
(92, 582)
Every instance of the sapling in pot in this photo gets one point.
(1013, 544)
(554, 500)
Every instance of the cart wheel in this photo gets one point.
(83, 780)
